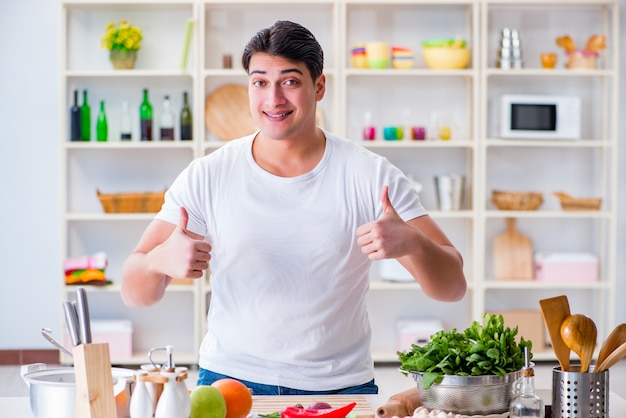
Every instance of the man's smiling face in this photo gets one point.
(283, 97)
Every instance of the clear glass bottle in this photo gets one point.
(186, 119)
(75, 119)
(525, 403)
(167, 121)
(102, 126)
(85, 119)
(145, 117)
(126, 127)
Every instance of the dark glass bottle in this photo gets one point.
(167, 121)
(145, 117)
(102, 127)
(75, 119)
(85, 119)
(186, 120)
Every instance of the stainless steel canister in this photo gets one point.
(510, 50)
(449, 188)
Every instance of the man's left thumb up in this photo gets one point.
(384, 199)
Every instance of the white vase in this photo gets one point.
(141, 403)
(151, 386)
(183, 392)
(169, 405)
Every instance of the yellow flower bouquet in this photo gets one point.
(123, 41)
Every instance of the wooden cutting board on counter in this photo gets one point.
(512, 254)
(268, 404)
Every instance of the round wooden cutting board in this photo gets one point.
(227, 114)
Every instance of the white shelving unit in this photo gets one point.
(116, 166)
(461, 99)
(583, 168)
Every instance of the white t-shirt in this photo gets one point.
(289, 282)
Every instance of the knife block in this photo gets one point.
(94, 382)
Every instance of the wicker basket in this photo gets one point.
(571, 203)
(511, 200)
(131, 202)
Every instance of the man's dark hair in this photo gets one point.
(288, 40)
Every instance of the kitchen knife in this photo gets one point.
(71, 321)
(82, 308)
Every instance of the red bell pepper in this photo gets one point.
(295, 412)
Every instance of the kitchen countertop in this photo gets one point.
(19, 407)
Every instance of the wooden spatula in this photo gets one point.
(554, 311)
(512, 254)
(616, 338)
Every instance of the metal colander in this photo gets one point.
(468, 395)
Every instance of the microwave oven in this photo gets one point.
(539, 117)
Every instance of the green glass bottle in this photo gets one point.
(145, 117)
(186, 120)
(85, 119)
(102, 127)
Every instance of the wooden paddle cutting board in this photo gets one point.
(268, 404)
(227, 113)
(512, 255)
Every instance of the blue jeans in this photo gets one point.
(206, 377)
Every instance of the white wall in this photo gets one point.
(29, 173)
(29, 179)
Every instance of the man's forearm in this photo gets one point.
(439, 270)
(140, 285)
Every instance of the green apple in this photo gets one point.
(207, 402)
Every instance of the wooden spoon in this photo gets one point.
(616, 338)
(615, 356)
(579, 333)
(554, 311)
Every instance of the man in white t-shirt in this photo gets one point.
(289, 220)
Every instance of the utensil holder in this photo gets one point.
(94, 382)
(580, 395)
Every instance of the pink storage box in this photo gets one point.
(416, 332)
(118, 333)
(566, 267)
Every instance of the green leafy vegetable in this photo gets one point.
(488, 349)
(271, 415)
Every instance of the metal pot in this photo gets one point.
(53, 391)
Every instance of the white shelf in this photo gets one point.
(407, 143)
(546, 214)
